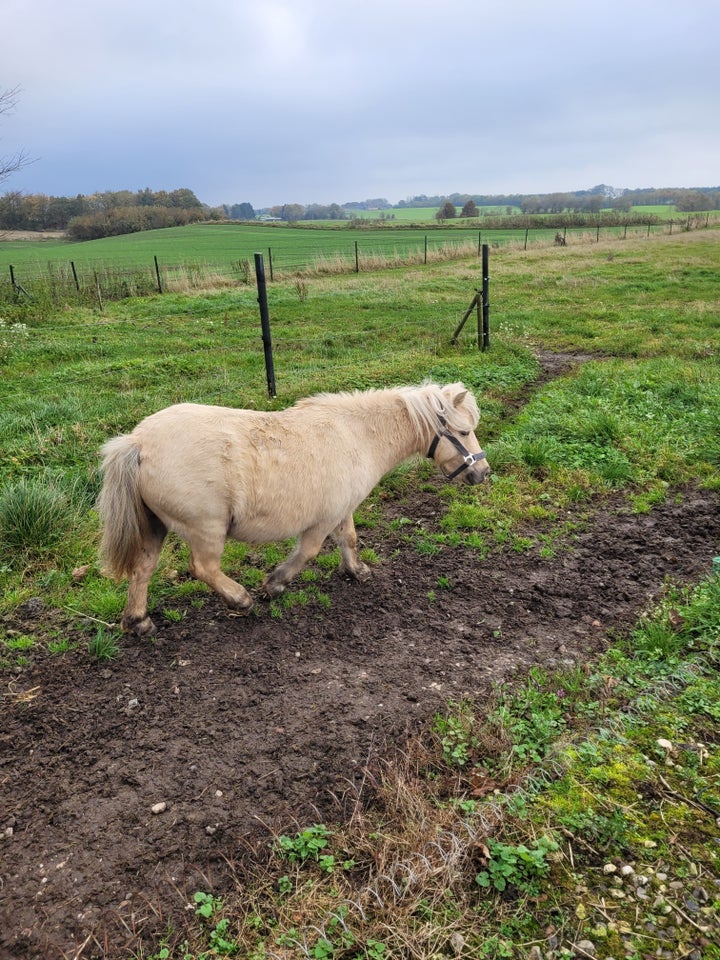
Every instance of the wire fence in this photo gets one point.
(293, 254)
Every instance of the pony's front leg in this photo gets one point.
(306, 549)
(350, 565)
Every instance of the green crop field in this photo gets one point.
(188, 252)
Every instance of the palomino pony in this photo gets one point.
(209, 473)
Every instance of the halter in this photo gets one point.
(468, 458)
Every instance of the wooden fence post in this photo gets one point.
(98, 290)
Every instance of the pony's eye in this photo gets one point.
(464, 433)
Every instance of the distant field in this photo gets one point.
(223, 243)
(424, 214)
(288, 247)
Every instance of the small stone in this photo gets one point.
(664, 744)
(457, 942)
(79, 573)
(210, 830)
(586, 948)
(627, 870)
(218, 793)
(609, 868)
(159, 807)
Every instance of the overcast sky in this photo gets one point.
(321, 101)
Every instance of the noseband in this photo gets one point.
(469, 459)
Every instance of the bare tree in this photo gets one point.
(10, 164)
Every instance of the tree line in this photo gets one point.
(600, 197)
(102, 214)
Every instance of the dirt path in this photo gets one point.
(240, 726)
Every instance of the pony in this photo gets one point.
(209, 473)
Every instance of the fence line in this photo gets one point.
(61, 282)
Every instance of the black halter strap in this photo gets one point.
(468, 458)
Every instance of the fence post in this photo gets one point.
(265, 325)
(485, 296)
(357, 258)
(157, 274)
(17, 287)
(98, 290)
(75, 276)
(270, 263)
(597, 236)
(425, 249)
(527, 229)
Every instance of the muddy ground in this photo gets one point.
(244, 726)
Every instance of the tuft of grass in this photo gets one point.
(104, 645)
(36, 514)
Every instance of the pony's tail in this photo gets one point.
(126, 520)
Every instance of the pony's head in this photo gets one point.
(450, 414)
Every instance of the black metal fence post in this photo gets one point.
(157, 274)
(265, 324)
(485, 296)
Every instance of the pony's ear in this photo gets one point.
(459, 398)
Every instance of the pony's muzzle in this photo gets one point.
(477, 472)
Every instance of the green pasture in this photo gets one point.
(556, 759)
(425, 214)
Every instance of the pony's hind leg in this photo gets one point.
(350, 565)
(135, 617)
(205, 557)
(306, 549)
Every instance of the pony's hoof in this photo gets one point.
(272, 588)
(242, 608)
(360, 572)
(141, 627)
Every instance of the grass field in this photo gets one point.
(639, 419)
(314, 247)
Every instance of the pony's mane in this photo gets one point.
(425, 404)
